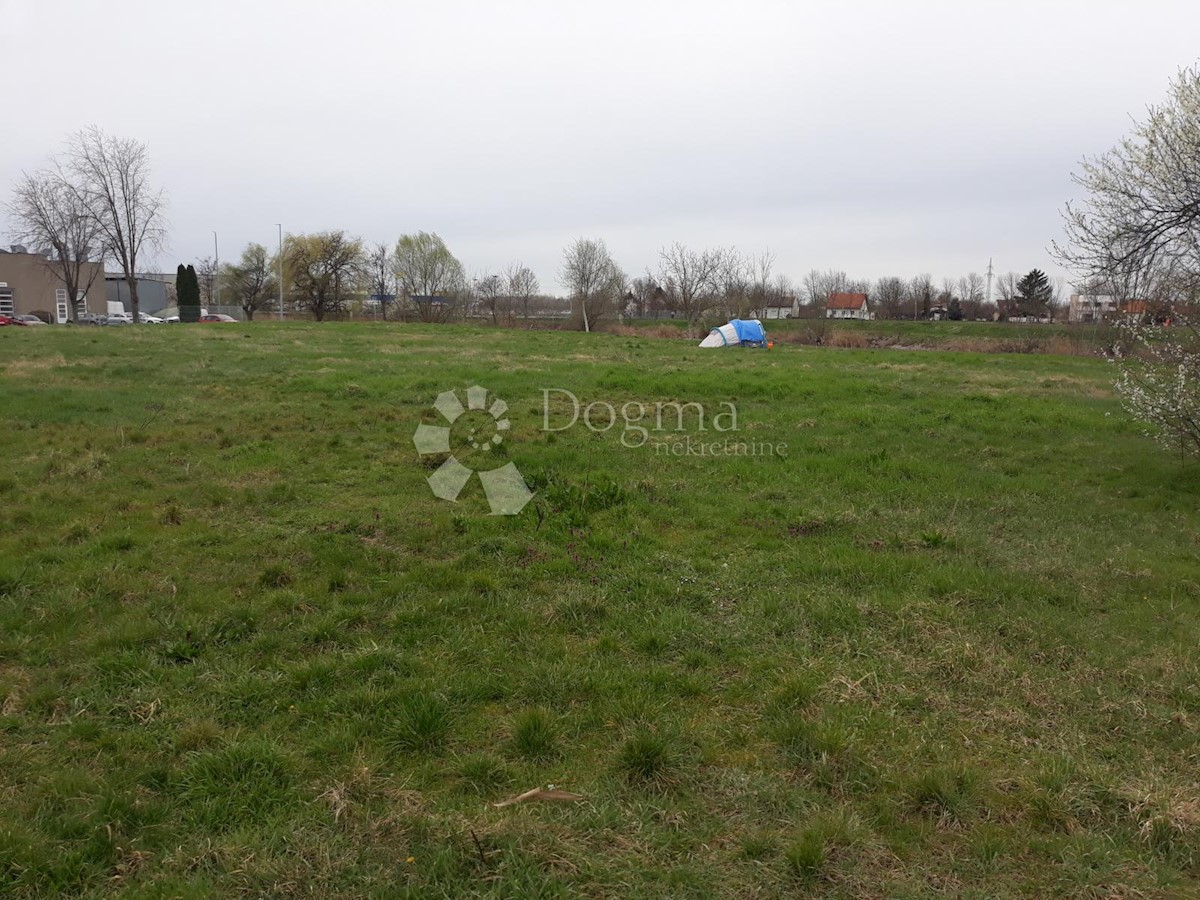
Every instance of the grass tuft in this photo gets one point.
(949, 792)
(421, 725)
(805, 857)
(535, 735)
(275, 576)
(646, 757)
(242, 784)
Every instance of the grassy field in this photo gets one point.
(945, 646)
(989, 337)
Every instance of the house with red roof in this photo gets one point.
(847, 306)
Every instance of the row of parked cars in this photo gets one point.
(113, 319)
(127, 319)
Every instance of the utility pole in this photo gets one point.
(280, 227)
(216, 273)
(989, 286)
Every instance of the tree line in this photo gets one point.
(96, 201)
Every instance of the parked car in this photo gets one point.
(217, 317)
(89, 319)
(147, 319)
(172, 320)
(11, 320)
(29, 320)
(118, 319)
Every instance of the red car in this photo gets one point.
(217, 317)
(9, 320)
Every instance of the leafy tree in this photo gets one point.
(251, 279)
(324, 270)
(425, 267)
(954, 310)
(1034, 293)
(187, 290)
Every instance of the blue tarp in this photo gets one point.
(737, 333)
(749, 332)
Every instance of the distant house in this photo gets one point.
(937, 312)
(29, 284)
(848, 306)
(778, 307)
(1145, 311)
(1091, 308)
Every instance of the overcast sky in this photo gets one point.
(879, 138)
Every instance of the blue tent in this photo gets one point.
(738, 333)
(749, 331)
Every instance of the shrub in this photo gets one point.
(1159, 382)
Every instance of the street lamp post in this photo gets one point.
(216, 273)
(280, 227)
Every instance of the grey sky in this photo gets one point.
(881, 138)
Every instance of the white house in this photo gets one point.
(778, 307)
(848, 306)
(1091, 307)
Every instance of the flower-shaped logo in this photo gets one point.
(504, 486)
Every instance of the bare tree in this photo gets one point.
(819, 285)
(111, 177)
(693, 278)
(490, 291)
(48, 215)
(759, 292)
(970, 289)
(891, 296)
(324, 269)
(782, 289)
(593, 279)
(733, 283)
(920, 291)
(380, 276)
(251, 280)
(1057, 298)
(1008, 294)
(522, 286)
(206, 277)
(648, 296)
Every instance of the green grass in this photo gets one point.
(1016, 337)
(945, 646)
